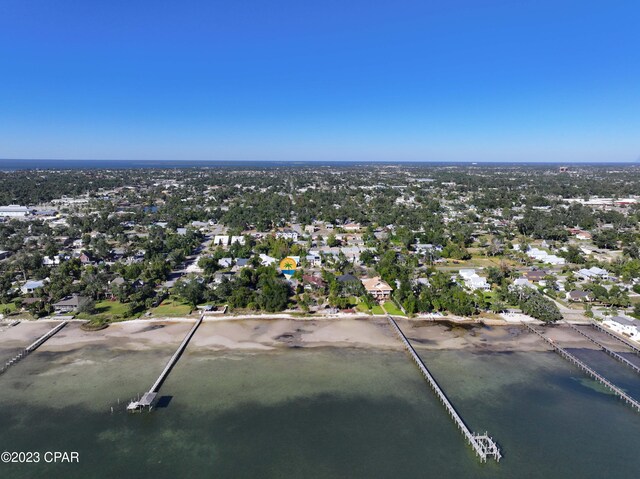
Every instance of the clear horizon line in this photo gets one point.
(324, 160)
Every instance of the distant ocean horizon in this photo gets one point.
(58, 164)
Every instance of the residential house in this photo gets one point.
(347, 278)
(377, 288)
(220, 277)
(237, 239)
(48, 261)
(313, 282)
(31, 286)
(86, 258)
(266, 260)
(225, 262)
(473, 280)
(522, 283)
(584, 236)
(544, 257)
(242, 263)
(352, 253)
(287, 234)
(535, 275)
(70, 303)
(592, 273)
(314, 259)
(221, 240)
(578, 295)
(623, 325)
(15, 211)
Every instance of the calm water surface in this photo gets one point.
(313, 413)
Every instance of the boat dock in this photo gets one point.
(32, 347)
(483, 445)
(575, 361)
(599, 327)
(147, 399)
(610, 352)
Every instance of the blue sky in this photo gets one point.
(333, 80)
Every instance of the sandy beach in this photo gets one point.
(217, 334)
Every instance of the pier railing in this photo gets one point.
(148, 397)
(483, 445)
(599, 327)
(598, 377)
(610, 352)
(32, 347)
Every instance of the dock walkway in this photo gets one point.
(148, 397)
(601, 379)
(610, 352)
(483, 445)
(32, 347)
(624, 341)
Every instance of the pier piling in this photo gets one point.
(610, 352)
(598, 377)
(32, 347)
(149, 397)
(483, 445)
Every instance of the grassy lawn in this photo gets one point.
(172, 308)
(377, 309)
(392, 309)
(111, 307)
(362, 308)
(106, 310)
(10, 306)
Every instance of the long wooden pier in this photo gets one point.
(483, 445)
(599, 327)
(32, 347)
(610, 352)
(147, 398)
(601, 379)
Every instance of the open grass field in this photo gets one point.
(377, 309)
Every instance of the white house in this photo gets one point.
(351, 227)
(544, 257)
(49, 261)
(626, 326)
(287, 234)
(237, 239)
(473, 280)
(267, 260)
(523, 282)
(220, 240)
(31, 286)
(592, 273)
(15, 211)
(352, 253)
(314, 258)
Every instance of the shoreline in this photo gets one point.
(275, 332)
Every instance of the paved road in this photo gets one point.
(181, 270)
